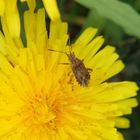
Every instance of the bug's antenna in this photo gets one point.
(68, 39)
(70, 47)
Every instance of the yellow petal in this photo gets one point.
(2, 44)
(41, 32)
(125, 106)
(117, 91)
(86, 37)
(52, 9)
(2, 7)
(30, 26)
(114, 69)
(12, 18)
(122, 122)
(83, 41)
(91, 49)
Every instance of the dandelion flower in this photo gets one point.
(40, 98)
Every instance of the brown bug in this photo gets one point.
(81, 73)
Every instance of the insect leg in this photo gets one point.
(71, 80)
(57, 51)
(89, 69)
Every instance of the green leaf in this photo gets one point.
(137, 5)
(94, 20)
(118, 12)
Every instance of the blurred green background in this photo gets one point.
(119, 22)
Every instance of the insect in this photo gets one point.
(81, 73)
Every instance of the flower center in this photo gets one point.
(45, 111)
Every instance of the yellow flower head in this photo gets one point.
(40, 98)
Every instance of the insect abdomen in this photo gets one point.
(81, 73)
